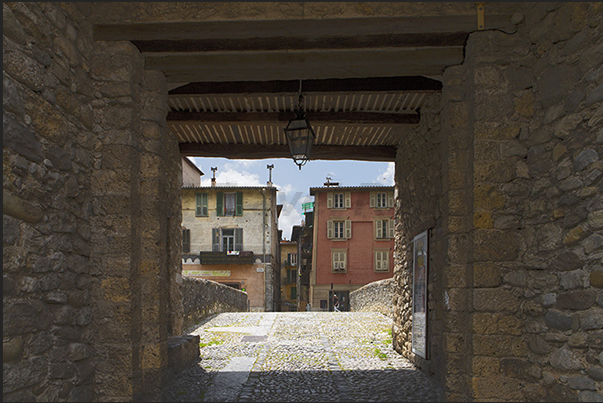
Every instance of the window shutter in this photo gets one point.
(204, 204)
(373, 201)
(342, 260)
(377, 260)
(219, 203)
(238, 234)
(330, 229)
(348, 200)
(239, 210)
(329, 200)
(335, 258)
(348, 229)
(186, 240)
(215, 237)
(378, 229)
(390, 199)
(391, 228)
(385, 265)
(199, 204)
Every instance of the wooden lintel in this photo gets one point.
(294, 28)
(319, 152)
(438, 39)
(333, 117)
(372, 84)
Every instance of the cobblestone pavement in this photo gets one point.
(300, 357)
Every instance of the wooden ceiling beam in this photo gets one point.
(332, 117)
(297, 28)
(319, 152)
(303, 64)
(344, 85)
(438, 39)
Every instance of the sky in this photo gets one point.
(293, 184)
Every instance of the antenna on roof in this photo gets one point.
(328, 183)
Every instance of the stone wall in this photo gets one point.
(202, 298)
(374, 297)
(92, 231)
(48, 147)
(515, 293)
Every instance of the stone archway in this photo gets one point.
(503, 167)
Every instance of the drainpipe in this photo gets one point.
(263, 191)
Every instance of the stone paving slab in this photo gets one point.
(300, 357)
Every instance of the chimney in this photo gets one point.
(213, 180)
(270, 167)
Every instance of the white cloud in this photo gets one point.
(387, 177)
(288, 218)
(233, 177)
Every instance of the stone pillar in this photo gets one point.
(136, 226)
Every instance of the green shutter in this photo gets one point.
(186, 240)
(239, 210)
(238, 239)
(201, 205)
(219, 203)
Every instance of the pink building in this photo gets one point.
(353, 241)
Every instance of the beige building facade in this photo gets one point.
(230, 236)
(289, 276)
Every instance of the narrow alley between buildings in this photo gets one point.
(300, 356)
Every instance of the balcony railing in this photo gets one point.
(243, 257)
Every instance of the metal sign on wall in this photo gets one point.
(419, 294)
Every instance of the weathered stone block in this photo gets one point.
(555, 82)
(485, 366)
(524, 105)
(596, 278)
(486, 275)
(495, 131)
(565, 359)
(482, 220)
(499, 346)
(487, 197)
(488, 323)
(493, 245)
(455, 276)
(116, 289)
(558, 320)
(494, 300)
(519, 368)
(576, 300)
(494, 387)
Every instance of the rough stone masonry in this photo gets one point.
(505, 171)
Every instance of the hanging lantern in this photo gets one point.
(300, 135)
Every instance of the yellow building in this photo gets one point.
(289, 276)
(230, 235)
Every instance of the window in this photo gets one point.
(339, 200)
(201, 205)
(382, 199)
(227, 239)
(385, 229)
(292, 259)
(291, 276)
(293, 293)
(339, 229)
(338, 258)
(229, 204)
(381, 261)
(186, 240)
